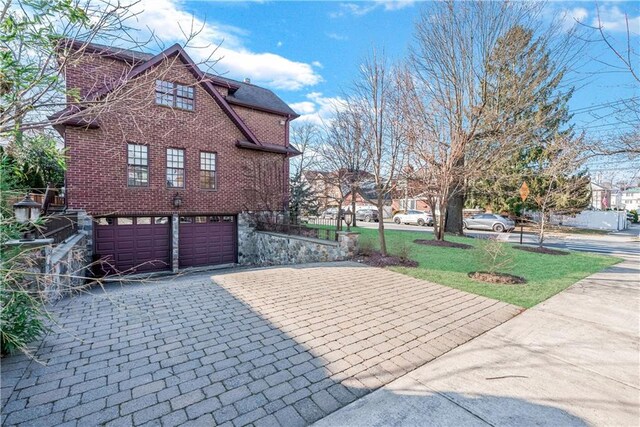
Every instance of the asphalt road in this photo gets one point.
(624, 244)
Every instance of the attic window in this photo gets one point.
(174, 95)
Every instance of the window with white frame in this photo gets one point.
(208, 170)
(137, 165)
(175, 168)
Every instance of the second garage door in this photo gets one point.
(207, 240)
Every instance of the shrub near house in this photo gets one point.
(172, 158)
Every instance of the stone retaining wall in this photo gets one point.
(53, 271)
(66, 269)
(268, 248)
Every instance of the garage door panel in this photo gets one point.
(207, 243)
(132, 248)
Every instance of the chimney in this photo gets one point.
(247, 80)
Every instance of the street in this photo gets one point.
(624, 243)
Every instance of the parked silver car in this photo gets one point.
(488, 221)
(413, 217)
(332, 213)
(367, 214)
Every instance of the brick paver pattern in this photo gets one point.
(280, 346)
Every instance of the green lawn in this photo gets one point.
(546, 274)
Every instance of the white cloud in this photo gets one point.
(395, 4)
(318, 109)
(170, 23)
(336, 36)
(362, 8)
(613, 19)
(279, 44)
(304, 107)
(568, 17)
(317, 64)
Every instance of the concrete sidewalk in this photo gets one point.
(572, 360)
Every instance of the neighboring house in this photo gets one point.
(367, 197)
(324, 186)
(165, 172)
(605, 196)
(631, 199)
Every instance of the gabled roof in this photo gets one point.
(207, 81)
(369, 192)
(240, 93)
(177, 50)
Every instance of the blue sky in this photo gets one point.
(308, 51)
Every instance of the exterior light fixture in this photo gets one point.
(27, 211)
(177, 201)
(348, 219)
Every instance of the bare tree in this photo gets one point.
(623, 145)
(340, 157)
(265, 185)
(451, 60)
(43, 40)
(559, 185)
(378, 105)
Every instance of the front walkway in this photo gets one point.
(573, 360)
(280, 346)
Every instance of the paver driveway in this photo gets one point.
(279, 346)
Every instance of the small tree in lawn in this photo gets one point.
(341, 154)
(380, 110)
(559, 184)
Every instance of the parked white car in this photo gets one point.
(413, 217)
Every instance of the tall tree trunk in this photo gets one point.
(454, 215)
(383, 243)
(354, 190)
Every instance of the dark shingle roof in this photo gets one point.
(255, 96)
(246, 94)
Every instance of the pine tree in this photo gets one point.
(302, 198)
(522, 72)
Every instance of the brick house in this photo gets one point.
(163, 157)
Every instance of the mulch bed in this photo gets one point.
(539, 250)
(497, 278)
(442, 243)
(377, 260)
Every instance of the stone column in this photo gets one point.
(348, 244)
(85, 225)
(247, 245)
(175, 241)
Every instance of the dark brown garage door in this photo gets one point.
(132, 244)
(207, 240)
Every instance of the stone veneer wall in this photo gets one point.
(66, 268)
(267, 248)
(53, 271)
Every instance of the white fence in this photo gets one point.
(595, 220)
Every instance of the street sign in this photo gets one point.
(524, 191)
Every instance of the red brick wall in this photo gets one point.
(97, 163)
(265, 126)
(91, 72)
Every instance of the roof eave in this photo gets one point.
(269, 148)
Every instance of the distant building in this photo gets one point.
(605, 196)
(631, 199)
